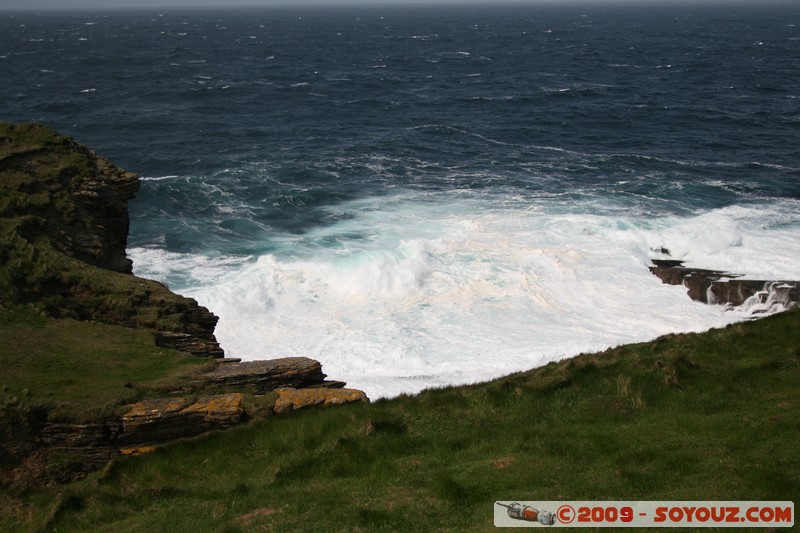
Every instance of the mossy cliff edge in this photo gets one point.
(89, 351)
(63, 233)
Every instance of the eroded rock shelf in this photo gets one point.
(724, 288)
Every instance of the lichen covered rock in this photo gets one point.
(290, 399)
(165, 419)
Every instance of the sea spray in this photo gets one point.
(414, 293)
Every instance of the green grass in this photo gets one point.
(82, 371)
(714, 416)
(33, 272)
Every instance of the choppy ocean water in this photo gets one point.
(428, 196)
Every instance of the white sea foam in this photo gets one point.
(452, 289)
(757, 241)
(159, 178)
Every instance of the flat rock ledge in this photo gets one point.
(271, 374)
(298, 381)
(724, 288)
(290, 399)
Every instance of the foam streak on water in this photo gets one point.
(426, 290)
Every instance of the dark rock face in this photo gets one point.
(189, 344)
(82, 198)
(28, 442)
(102, 240)
(717, 287)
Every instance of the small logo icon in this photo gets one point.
(528, 513)
(565, 514)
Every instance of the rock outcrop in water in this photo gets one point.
(717, 287)
(63, 233)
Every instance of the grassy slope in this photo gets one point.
(709, 416)
(82, 371)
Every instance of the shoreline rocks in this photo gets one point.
(64, 220)
(723, 288)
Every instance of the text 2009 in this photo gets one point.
(604, 514)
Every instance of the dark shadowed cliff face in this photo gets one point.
(79, 199)
(63, 233)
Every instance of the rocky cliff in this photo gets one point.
(63, 234)
(78, 200)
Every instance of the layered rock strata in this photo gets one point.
(298, 383)
(63, 216)
(81, 198)
(271, 374)
(723, 288)
(162, 420)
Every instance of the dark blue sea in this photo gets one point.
(426, 196)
